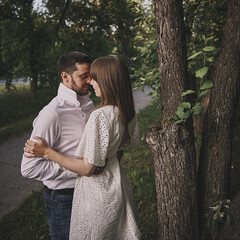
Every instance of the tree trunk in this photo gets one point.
(215, 157)
(32, 57)
(172, 145)
(59, 24)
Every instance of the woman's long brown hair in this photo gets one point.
(112, 75)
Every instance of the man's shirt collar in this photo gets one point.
(71, 96)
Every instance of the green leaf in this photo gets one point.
(210, 38)
(203, 37)
(186, 114)
(209, 49)
(175, 118)
(180, 112)
(197, 108)
(211, 59)
(203, 93)
(195, 55)
(228, 219)
(206, 85)
(201, 72)
(187, 92)
(179, 121)
(186, 105)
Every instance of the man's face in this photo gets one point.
(80, 79)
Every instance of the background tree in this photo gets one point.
(216, 152)
(21, 39)
(173, 145)
(144, 63)
(215, 161)
(32, 39)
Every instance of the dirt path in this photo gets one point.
(14, 188)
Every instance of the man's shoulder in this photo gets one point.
(54, 105)
(49, 110)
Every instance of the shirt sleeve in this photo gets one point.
(95, 140)
(46, 126)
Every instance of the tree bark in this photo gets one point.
(215, 157)
(172, 145)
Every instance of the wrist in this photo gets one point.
(47, 153)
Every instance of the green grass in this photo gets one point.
(138, 165)
(18, 108)
(28, 221)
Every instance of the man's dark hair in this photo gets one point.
(66, 63)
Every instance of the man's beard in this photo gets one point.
(76, 88)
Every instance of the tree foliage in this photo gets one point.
(33, 39)
(201, 18)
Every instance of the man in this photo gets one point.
(61, 124)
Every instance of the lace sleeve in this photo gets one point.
(95, 140)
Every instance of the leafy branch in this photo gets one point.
(218, 214)
(185, 109)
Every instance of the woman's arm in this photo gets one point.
(41, 149)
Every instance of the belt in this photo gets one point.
(66, 191)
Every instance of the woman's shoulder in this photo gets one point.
(108, 112)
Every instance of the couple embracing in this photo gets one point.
(73, 150)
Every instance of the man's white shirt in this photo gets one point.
(61, 124)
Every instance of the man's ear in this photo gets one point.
(65, 78)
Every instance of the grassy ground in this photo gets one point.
(28, 221)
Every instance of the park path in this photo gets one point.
(14, 188)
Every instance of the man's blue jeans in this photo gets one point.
(58, 209)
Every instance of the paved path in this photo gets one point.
(14, 188)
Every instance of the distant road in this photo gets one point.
(16, 81)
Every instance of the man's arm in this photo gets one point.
(46, 126)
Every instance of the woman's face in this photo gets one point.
(96, 88)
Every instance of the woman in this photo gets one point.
(103, 205)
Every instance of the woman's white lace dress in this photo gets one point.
(103, 205)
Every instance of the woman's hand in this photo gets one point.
(36, 149)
